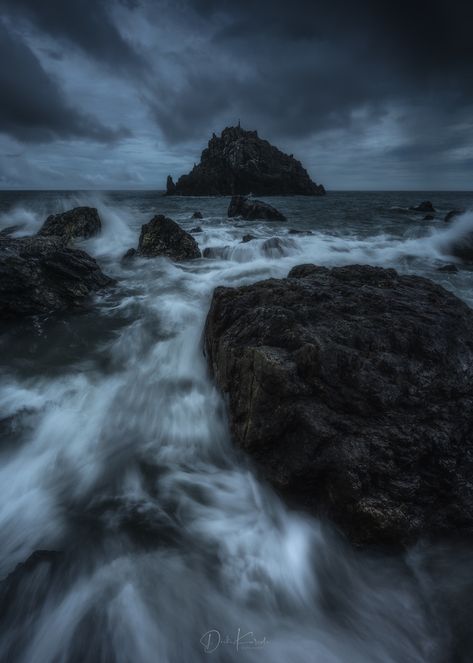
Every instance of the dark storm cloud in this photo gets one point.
(378, 81)
(309, 65)
(33, 107)
(87, 24)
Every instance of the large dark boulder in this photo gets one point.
(250, 209)
(239, 162)
(78, 222)
(164, 237)
(42, 275)
(352, 389)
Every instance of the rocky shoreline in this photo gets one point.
(350, 388)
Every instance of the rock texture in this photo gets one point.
(250, 209)
(352, 388)
(164, 237)
(239, 162)
(78, 222)
(42, 275)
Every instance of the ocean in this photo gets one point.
(165, 544)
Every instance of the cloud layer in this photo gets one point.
(367, 94)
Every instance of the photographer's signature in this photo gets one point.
(213, 639)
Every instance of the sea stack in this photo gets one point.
(239, 162)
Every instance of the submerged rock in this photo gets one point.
(295, 231)
(250, 209)
(452, 214)
(41, 275)
(425, 206)
(429, 217)
(78, 222)
(197, 229)
(239, 162)
(197, 215)
(247, 238)
(164, 237)
(352, 389)
(450, 268)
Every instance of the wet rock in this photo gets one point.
(250, 209)
(197, 229)
(164, 237)
(429, 217)
(275, 247)
(461, 247)
(129, 255)
(448, 268)
(215, 251)
(6, 232)
(247, 238)
(352, 390)
(452, 214)
(295, 231)
(42, 275)
(425, 206)
(197, 215)
(78, 222)
(239, 162)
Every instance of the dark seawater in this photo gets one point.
(115, 454)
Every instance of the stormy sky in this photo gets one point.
(118, 93)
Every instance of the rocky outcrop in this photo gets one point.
(239, 162)
(452, 214)
(41, 275)
(164, 237)
(352, 390)
(78, 222)
(425, 206)
(250, 209)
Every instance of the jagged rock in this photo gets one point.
(352, 389)
(239, 162)
(78, 222)
(170, 186)
(452, 214)
(197, 229)
(41, 275)
(247, 238)
(450, 268)
(425, 206)
(197, 215)
(164, 237)
(250, 209)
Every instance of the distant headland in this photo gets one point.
(239, 162)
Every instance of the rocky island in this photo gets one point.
(239, 162)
